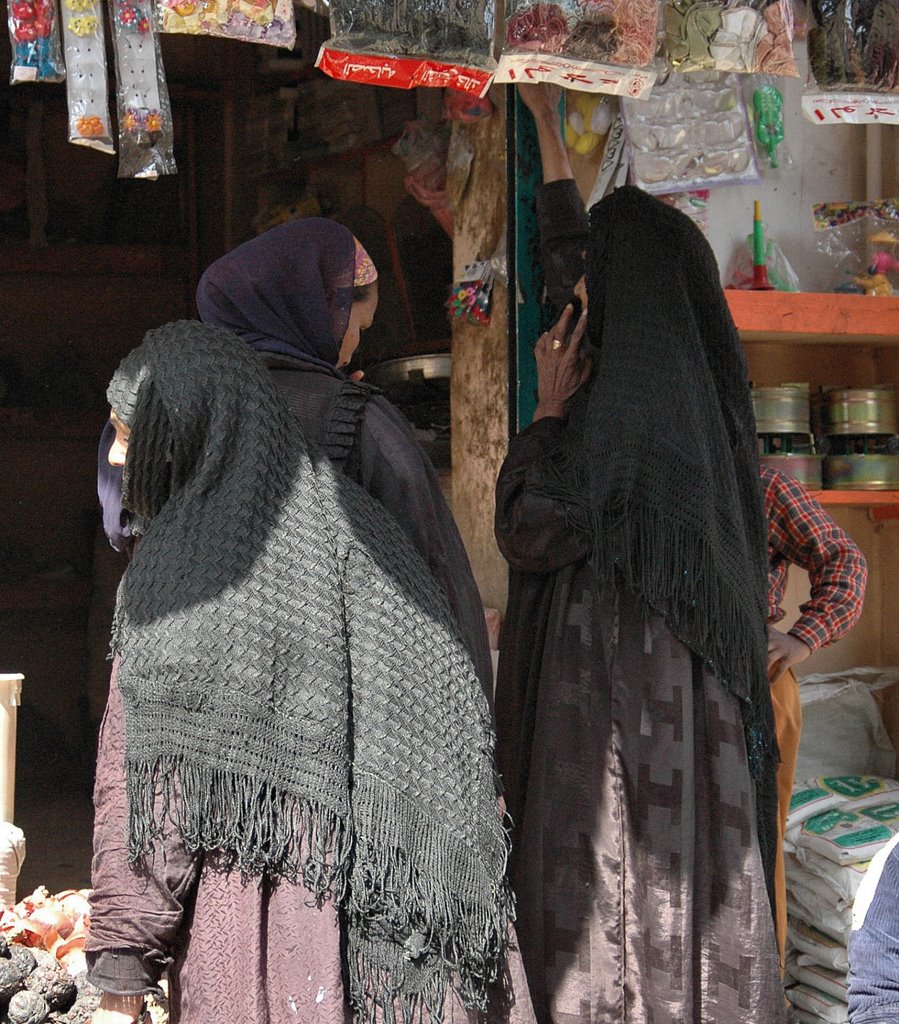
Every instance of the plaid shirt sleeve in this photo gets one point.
(801, 532)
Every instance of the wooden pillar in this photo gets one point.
(480, 374)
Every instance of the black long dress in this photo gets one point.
(641, 893)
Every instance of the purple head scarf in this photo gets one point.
(288, 291)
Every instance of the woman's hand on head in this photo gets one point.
(118, 1009)
(562, 367)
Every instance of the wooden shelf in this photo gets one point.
(815, 318)
(35, 424)
(44, 595)
(89, 261)
(859, 498)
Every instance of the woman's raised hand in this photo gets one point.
(562, 368)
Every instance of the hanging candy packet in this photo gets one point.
(861, 239)
(748, 36)
(589, 45)
(87, 84)
(404, 44)
(252, 21)
(471, 296)
(692, 133)
(144, 112)
(35, 40)
(853, 51)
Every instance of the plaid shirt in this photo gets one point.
(802, 533)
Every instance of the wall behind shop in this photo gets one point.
(829, 164)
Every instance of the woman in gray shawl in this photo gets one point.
(296, 803)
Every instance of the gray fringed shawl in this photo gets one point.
(293, 682)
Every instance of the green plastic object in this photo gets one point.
(768, 105)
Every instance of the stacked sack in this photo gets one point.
(835, 826)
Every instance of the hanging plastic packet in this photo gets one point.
(694, 205)
(861, 240)
(767, 113)
(251, 21)
(34, 37)
(747, 36)
(853, 51)
(87, 81)
(472, 296)
(144, 112)
(591, 45)
(692, 133)
(402, 44)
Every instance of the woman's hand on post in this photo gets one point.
(562, 368)
(118, 1009)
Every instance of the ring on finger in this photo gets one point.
(556, 344)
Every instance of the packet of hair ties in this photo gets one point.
(591, 45)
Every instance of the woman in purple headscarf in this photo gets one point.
(300, 294)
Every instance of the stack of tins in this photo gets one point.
(856, 428)
(783, 423)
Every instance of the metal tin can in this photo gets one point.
(859, 411)
(861, 472)
(804, 468)
(781, 410)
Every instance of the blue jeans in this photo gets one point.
(874, 952)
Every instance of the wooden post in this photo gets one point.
(10, 699)
(480, 371)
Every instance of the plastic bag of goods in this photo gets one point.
(846, 837)
(842, 729)
(144, 112)
(251, 21)
(34, 37)
(87, 82)
(805, 904)
(833, 983)
(851, 792)
(591, 45)
(860, 239)
(752, 36)
(692, 133)
(838, 884)
(401, 44)
(814, 946)
(823, 1006)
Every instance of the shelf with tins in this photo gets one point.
(813, 318)
(825, 321)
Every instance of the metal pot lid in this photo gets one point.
(410, 370)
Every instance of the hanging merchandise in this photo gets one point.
(860, 239)
(144, 113)
(692, 133)
(35, 40)
(746, 36)
(403, 44)
(424, 147)
(767, 112)
(87, 83)
(589, 45)
(761, 265)
(589, 117)
(694, 205)
(853, 52)
(251, 21)
(471, 296)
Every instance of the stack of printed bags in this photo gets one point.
(835, 826)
